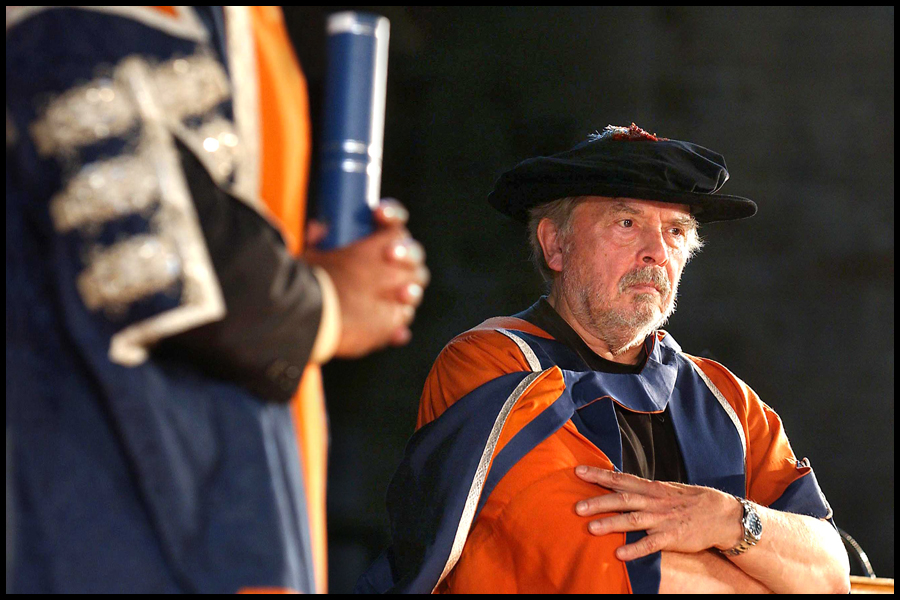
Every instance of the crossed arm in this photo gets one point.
(688, 523)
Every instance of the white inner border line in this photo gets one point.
(468, 514)
(530, 356)
(726, 406)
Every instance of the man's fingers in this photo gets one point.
(411, 294)
(390, 213)
(608, 503)
(315, 233)
(646, 546)
(620, 482)
(401, 337)
(405, 314)
(613, 480)
(406, 251)
(414, 275)
(423, 276)
(629, 521)
(676, 516)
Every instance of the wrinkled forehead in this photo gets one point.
(606, 205)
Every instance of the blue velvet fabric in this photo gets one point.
(153, 478)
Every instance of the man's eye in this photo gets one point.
(626, 222)
(677, 231)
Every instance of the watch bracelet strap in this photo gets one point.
(740, 548)
(747, 542)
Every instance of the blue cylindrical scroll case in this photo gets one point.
(353, 128)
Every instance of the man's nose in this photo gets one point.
(655, 251)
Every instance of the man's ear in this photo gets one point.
(551, 243)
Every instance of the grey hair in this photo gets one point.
(560, 214)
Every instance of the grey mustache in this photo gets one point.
(655, 276)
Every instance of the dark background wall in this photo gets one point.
(797, 301)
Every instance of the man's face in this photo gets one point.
(621, 264)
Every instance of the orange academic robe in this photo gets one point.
(504, 521)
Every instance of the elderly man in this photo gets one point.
(575, 447)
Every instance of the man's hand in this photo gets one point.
(677, 517)
(379, 280)
(797, 553)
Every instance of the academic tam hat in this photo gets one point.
(624, 162)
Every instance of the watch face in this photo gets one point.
(754, 525)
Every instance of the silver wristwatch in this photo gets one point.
(752, 529)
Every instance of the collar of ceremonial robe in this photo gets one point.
(709, 433)
(648, 391)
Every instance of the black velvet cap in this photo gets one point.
(624, 162)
